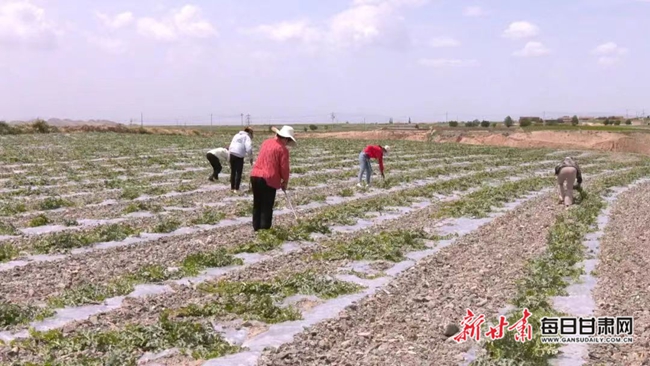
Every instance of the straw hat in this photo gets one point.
(387, 148)
(285, 131)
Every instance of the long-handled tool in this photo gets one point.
(290, 205)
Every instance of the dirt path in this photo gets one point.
(404, 325)
(623, 287)
(606, 141)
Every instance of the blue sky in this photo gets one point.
(290, 60)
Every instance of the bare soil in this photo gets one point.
(596, 140)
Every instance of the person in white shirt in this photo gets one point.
(240, 147)
(215, 157)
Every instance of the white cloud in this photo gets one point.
(183, 22)
(25, 24)
(610, 48)
(520, 30)
(109, 45)
(361, 25)
(609, 53)
(473, 11)
(299, 30)
(188, 21)
(119, 21)
(364, 23)
(392, 2)
(532, 49)
(440, 42)
(442, 62)
(157, 30)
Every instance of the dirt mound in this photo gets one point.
(371, 135)
(596, 140)
(607, 141)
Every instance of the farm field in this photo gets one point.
(117, 250)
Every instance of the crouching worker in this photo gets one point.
(371, 152)
(567, 173)
(270, 173)
(216, 157)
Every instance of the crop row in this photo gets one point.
(49, 243)
(255, 300)
(118, 231)
(132, 192)
(187, 176)
(270, 240)
(548, 275)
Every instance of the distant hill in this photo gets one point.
(57, 122)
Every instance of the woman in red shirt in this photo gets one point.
(371, 152)
(270, 173)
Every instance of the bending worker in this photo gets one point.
(270, 173)
(215, 157)
(371, 152)
(241, 146)
(567, 172)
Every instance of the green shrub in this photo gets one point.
(166, 225)
(6, 129)
(53, 203)
(7, 252)
(40, 220)
(7, 228)
(40, 126)
(575, 121)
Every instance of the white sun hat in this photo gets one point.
(387, 148)
(285, 131)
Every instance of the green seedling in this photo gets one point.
(166, 225)
(7, 228)
(123, 346)
(7, 252)
(53, 203)
(209, 217)
(40, 220)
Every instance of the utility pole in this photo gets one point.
(141, 119)
(333, 116)
(242, 119)
(446, 117)
(210, 119)
(248, 119)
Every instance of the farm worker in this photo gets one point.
(567, 172)
(241, 146)
(371, 152)
(215, 157)
(270, 173)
